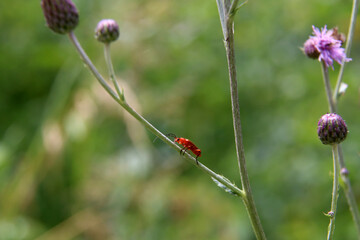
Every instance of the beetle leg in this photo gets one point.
(183, 150)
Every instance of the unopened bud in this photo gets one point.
(61, 15)
(332, 129)
(330, 214)
(310, 49)
(344, 172)
(107, 31)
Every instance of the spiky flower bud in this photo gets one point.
(61, 15)
(332, 129)
(107, 31)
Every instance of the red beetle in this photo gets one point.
(187, 145)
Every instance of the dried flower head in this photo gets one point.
(107, 31)
(338, 35)
(332, 129)
(326, 45)
(61, 15)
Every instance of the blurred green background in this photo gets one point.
(74, 165)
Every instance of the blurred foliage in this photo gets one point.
(73, 165)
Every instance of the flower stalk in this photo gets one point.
(107, 55)
(335, 192)
(333, 98)
(325, 72)
(340, 159)
(350, 197)
(226, 12)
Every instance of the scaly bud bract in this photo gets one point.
(61, 15)
(332, 129)
(107, 31)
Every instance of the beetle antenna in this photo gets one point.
(171, 135)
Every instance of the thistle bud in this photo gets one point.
(107, 31)
(310, 49)
(332, 129)
(61, 15)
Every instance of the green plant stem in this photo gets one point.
(145, 123)
(325, 71)
(354, 13)
(349, 193)
(347, 185)
(335, 192)
(111, 70)
(350, 197)
(91, 66)
(230, 53)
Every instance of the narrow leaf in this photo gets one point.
(220, 185)
(343, 87)
(222, 14)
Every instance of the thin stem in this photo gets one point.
(111, 70)
(249, 201)
(354, 12)
(335, 192)
(347, 185)
(350, 197)
(145, 123)
(91, 66)
(325, 71)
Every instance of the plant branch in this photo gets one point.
(146, 124)
(226, 18)
(111, 71)
(91, 66)
(335, 192)
(235, 6)
(354, 12)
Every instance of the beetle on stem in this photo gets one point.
(187, 145)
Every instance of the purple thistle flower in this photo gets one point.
(326, 46)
